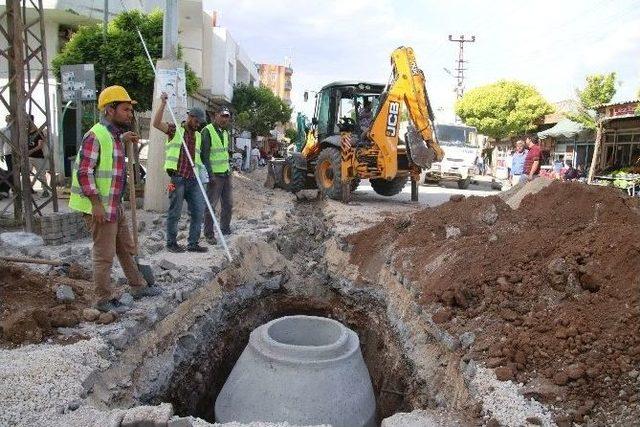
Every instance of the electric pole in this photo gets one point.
(460, 69)
(155, 197)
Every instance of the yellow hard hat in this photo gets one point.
(113, 94)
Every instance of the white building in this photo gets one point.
(209, 50)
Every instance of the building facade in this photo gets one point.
(278, 79)
(210, 51)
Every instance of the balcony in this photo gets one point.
(287, 84)
(288, 71)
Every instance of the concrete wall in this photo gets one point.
(230, 65)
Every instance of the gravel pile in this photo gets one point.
(40, 382)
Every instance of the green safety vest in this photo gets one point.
(103, 172)
(172, 151)
(219, 156)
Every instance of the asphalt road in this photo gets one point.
(428, 195)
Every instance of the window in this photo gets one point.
(323, 112)
(625, 138)
(231, 74)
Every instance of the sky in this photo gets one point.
(552, 45)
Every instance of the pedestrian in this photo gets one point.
(97, 188)
(517, 162)
(480, 164)
(255, 158)
(215, 156)
(35, 145)
(6, 181)
(183, 185)
(532, 159)
(236, 158)
(570, 172)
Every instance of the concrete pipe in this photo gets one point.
(303, 370)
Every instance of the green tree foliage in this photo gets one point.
(122, 56)
(599, 89)
(258, 109)
(638, 107)
(291, 133)
(502, 109)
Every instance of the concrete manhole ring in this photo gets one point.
(300, 369)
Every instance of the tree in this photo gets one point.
(502, 109)
(258, 109)
(291, 133)
(599, 89)
(638, 107)
(122, 56)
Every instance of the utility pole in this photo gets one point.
(460, 66)
(105, 21)
(155, 197)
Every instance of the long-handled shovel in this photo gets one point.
(143, 267)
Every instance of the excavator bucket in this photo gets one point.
(420, 152)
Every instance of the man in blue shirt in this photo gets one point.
(517, 164)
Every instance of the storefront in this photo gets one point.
(621, 137)
(568, 140)
(617, 161)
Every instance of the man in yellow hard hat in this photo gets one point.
(98, 183)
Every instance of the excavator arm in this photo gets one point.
(406, 86)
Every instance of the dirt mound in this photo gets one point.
(29, 309)
(551, 290)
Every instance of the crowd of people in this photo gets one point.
(524, 163)
(99, 179)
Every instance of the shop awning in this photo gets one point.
(565, 127)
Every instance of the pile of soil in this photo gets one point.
(551, 290)
(29, 309)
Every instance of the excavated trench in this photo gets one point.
(195, 384)
(188, 356)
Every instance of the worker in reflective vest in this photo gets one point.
(215, 156)
(184, 185)
(97, 187)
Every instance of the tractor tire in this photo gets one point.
(298, 177)
(463, 184)
(285, 175)
(328, 173)
(389, 188)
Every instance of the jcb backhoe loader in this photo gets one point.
(355, 135)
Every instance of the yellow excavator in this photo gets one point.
(354, 135)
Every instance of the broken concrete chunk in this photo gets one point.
(490, 216)
(166, 264)
(452, 232)
(126, 299)
(467, 339)
(64, 293)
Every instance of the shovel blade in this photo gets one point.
(146, 271)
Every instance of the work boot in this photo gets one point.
(197, 248)
(226, 232)
(211, 240)
(112, 305)
(175, 248)
(145, 291)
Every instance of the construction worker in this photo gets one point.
(184, 185)
(98, 182)
(215, 156)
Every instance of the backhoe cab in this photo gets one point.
(355, 135)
